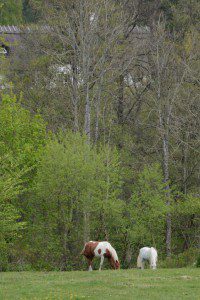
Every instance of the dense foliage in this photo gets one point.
(10, 12)
(102, 139)
(22, 136)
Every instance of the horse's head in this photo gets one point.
(113, 258)
(117, 264)
(153, 265)
(114, 263)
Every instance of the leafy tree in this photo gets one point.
(147, 209)
(186, 212)
(21, 135)
(72, 179)
(106, 193)
(10, 12)
(11, 187)
(31, 13)
(185, 15)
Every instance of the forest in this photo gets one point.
(99, 131)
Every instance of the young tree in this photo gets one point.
(72, 179)
(11, 187)
(147, 210)
(22, 136)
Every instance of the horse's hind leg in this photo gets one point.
(90, 264)
(101, 263)
(140, 263)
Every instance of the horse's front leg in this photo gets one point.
(142, 265)
(101, 263)
(90, 264)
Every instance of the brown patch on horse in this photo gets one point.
(107, 254)
(99, 251)
(114, 263)
(89, 248)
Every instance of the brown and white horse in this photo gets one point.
(101, 250)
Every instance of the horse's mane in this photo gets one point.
(114, 253)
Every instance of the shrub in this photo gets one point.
(185, 259)
(198, 261)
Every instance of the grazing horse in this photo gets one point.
(147, 254)
(101, 250)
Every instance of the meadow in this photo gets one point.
(183, 283)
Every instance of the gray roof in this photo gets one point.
(10, 29)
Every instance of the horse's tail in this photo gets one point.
(139, 262)
(83, 251)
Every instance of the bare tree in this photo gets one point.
(168, 73)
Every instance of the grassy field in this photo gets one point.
(124, 284)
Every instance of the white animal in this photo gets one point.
(147, 254)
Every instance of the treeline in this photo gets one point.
(102, 139)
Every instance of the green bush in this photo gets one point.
(19, 267)
(185, 259)
(3, 255)
(198, 262)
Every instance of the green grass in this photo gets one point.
(162, 284)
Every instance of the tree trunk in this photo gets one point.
(87, 113)
(86, 227)
(184, 161)
(86, 214)
(120, 108)
(75, 97)
(98, 101)
(168, 201)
